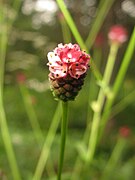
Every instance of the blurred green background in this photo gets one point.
(36, 31)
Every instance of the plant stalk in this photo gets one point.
(3, 121)
(100, 102)
(47, 145)
(63, 137)
(115, 157)
(117, 84)
(98, 21)
(76, 34)
(31, 114)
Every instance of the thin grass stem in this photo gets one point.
(118, 81)
(3, 122)
(115, 157)
(98, 21)
(31, 114)
(47, 144)
(77, 35)
(65, 31)
(100, 102)
(7, 143)
(129, 99)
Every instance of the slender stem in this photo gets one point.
(70, 22)
(63, 137)
(3, 47)
(100, 102)
(129, 99)
(3, 122)
(115, 156)
(98, 21)
(110, 62)
(76, 34)
(93, 88)
(120, 77)
(65, 31)
(31, 114)
(97, 56)
(96, 118)
(7, 142)
(47, 144)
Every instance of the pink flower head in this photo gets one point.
(21, 78)
(117, 34)
(66, 60)
(124, 131)
(99, 40)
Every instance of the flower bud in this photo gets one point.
(124, 131)
(21, 78)
(68, 66)
(117, 34)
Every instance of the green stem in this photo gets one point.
(96, 118)
(100, 102)
(93, 89)
(3, 122)
(130, 98)
(76, 34)
(110, 62)
(65, 31)
(31, 114)
(63, 137)
(98, 21)
(97, 55)
(3, 46)
(7, 142)
(47, 145)
(119, 79)
(71, 24)
(115, 156)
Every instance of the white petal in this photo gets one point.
(52, 58)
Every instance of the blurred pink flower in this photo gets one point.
(21, 78)
(124, 131)
(99, 40)
(117, 34)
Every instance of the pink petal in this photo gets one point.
(76, 70)
(58, 70)
(74, 55)
(84, 59)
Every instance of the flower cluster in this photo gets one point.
(68, 66)
(68, 59)
(117, 34)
